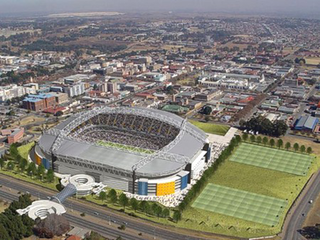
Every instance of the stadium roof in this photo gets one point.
(188, 147)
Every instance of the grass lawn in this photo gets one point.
(273, 158)
(122, 146)
(25, 149)
(23, 176)
(240, 204)
(252, 179)
(211, 127)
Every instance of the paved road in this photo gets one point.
(76, 221)
(296, 218)
(106, 214)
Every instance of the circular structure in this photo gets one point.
(42, 208)
(82, 182)
(143, 151)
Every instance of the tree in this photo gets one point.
(176, 216)
(309, 150)
(4, 233)
(53, 225)
(13, 151)
(238, 139)
(252, 138)
(144, 206)
(158, 211)
(272, 142)
(165, 213)
(265, 140)
(40, 172)
(32, 169)
(279, 143)
(154, 208)
(10, 165)
(288, 145)
(112, 195)
(302, 148)
(207, 110)
(134, 204)
(123, 200)
(1, 162)
(103, 196)
(50, 175)
(245, 136)
(296, 146)
(259, 139)
(23, 164)
(59, 114)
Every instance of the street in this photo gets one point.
(137, 224)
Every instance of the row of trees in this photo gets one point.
(264, 126)
(202, 182)
(279, 143)
(14, 161)
(143, 206)
(12, 225)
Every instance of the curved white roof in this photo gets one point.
(187, 146)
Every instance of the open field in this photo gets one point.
(276, 184)
(25, 149)
(28, 120)
(312, 60)
(272, 158)
(3, 206)
(211, 127)
(240, 204)
(315, 146)
(125, 147)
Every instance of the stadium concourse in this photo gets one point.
(144, 152)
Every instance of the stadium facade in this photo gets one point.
(142, 151)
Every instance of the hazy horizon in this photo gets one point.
(289, 7)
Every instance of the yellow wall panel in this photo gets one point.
(38, 159)
(165, 188)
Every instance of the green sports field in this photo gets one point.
(272, 158)
(212, 128)
(241, 204)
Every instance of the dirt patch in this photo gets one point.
(315, 146)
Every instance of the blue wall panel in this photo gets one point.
(143, 188)
(184, 181)
(45, 163)
(208, 156)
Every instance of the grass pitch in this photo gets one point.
(211, 128)
(125, 147)
(272, 158)
(241, 204)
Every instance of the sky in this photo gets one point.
(294, 7)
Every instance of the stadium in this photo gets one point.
(142, 151)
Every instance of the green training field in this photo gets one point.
(212, 128)
(272, 158)
(241, 204)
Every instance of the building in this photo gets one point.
(306, 123)
(12, 91)
(13, 135)
(60, 97)
(166, 152)
(39, 102)
(112, 87)
(75, 90)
